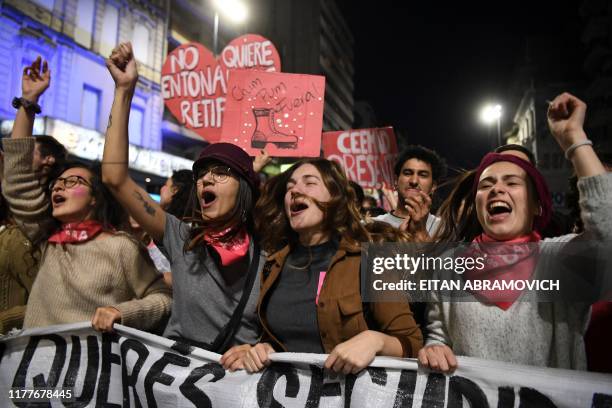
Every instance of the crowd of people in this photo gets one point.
(245, 268)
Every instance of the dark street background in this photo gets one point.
(427, 69)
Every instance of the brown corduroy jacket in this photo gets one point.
(340, 310)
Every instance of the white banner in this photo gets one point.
(136, 369)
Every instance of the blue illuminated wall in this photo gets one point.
(81, 88)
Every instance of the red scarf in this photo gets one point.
(77, 232)
(514, 259)
(232, 251)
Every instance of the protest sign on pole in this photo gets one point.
(131, 368)
(194, 82)
(280, 112)
(367, 155)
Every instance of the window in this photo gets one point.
(48, 4)
(140, 41)
(110, 29)
(136, 125)
(84, 22)
(90, 107)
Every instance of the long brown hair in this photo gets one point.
(459, 221)
(381, 232)
(340, 214)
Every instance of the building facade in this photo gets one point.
(75, 37)
(583, 68)
(531, 131)
(313, 37)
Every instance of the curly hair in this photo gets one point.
(437, 163)
(340, 214)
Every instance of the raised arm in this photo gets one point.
(566, 115)
(20, 184)
(566, 119)
(34, 83)
(140, 205)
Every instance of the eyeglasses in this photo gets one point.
(220, 174)
(69, 182)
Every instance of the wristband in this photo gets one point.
(570, 150)
(30, 107)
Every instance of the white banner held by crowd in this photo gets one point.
(132, 368)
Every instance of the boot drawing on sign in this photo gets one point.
(265, 132)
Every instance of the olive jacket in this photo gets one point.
(18, 268)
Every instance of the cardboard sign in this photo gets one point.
(194, 87)
(281, 112)
(72, 365)
(367, 155)
(194, 82)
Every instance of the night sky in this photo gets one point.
(428, 68)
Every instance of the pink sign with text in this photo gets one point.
(194, 82)
(280, 112)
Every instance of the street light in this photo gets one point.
(491, 113)
(235, 10)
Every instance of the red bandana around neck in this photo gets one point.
(77, 232)
(232, 251)
(514, 259)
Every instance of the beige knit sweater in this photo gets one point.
(74, 280)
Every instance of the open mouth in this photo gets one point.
(498, 209)
(58, 200)
(297, 207)
(208, 198)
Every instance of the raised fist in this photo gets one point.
(35, 80)
(566, 119)
(122, 66)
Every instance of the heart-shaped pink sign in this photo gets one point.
(194, 82)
